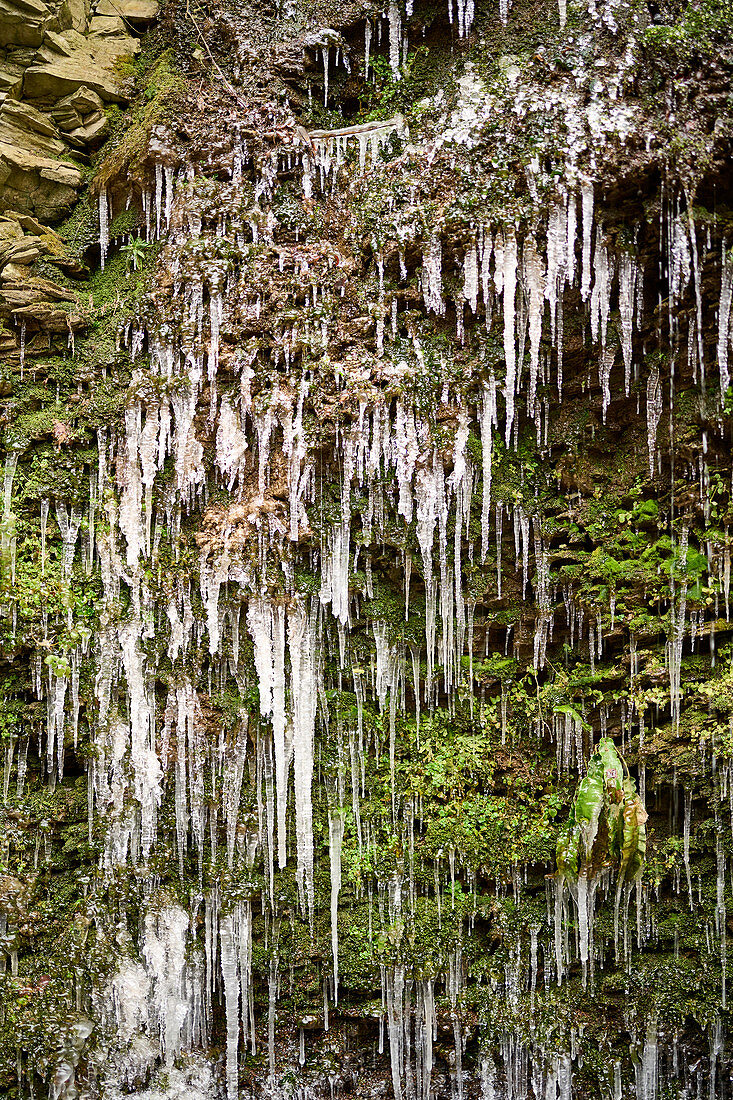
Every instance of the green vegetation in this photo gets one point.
(607, 824)
(466, 798)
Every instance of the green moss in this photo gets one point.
(162, 89)
(701, 28)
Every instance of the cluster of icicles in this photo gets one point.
(461, 15)
(387, 453)
(460, 12)
(329, 151)
(530, 283)
(503, 265)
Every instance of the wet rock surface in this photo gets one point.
(365, 545)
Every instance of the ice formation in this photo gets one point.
(392, 458)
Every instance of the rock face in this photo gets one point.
(365, 551)
(32, 176)
(61, 66)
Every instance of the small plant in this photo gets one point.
(607, 824)
(135, 251)
(59, 665)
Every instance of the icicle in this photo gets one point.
(509, 283)
(725, 331)
(557, 258)
(164, 950)
(720, 910)
(535, 281)
(231, 443)
(487, 248)
(605, 364)
(8, 540)
(488, 421)
(395, 38)
(22, 345)
(367, 46)
(627, 293)
(230, 973)
(499, 522)
(335, 840)
(395, 984)
(432, 277)
(686, 844)
(587, 209)
(158, 199)
(698, 286)
(654, 406)
(470, 277)
(571, 229)
(103, 228)
(646, 1068)
(678, 633)
(429, 482)
(279, 730)
(601, 294)
(302, 645)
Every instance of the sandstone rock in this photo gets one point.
(11, 79)
(30, 225)
(40, 303)
(31, 176)
(23, 22)
(93, 130)
(132, 11)
(66, 118)
(13, 273)
(8, 343)
(49, 318)
(106, 24)
(23, 251)
(10, 230)
(75, 14)
(57, 43)
(91, 64)
(20, 296)
(37, 183)
(81, 116)
(83, 101)
(24, 118)
(71, 266)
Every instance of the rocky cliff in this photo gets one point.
(366, 549)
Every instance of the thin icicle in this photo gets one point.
(725, 331)
(535, 283)
(627, 277)
(488, 422)
(654, 407)
(471, 277)
(510, 349)
(335, 840)
(230, 973)
(103, 228)
(302, 646)
(395, 38)
(600, 301)
(587, 209)
(432, 276)
(698, 286)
